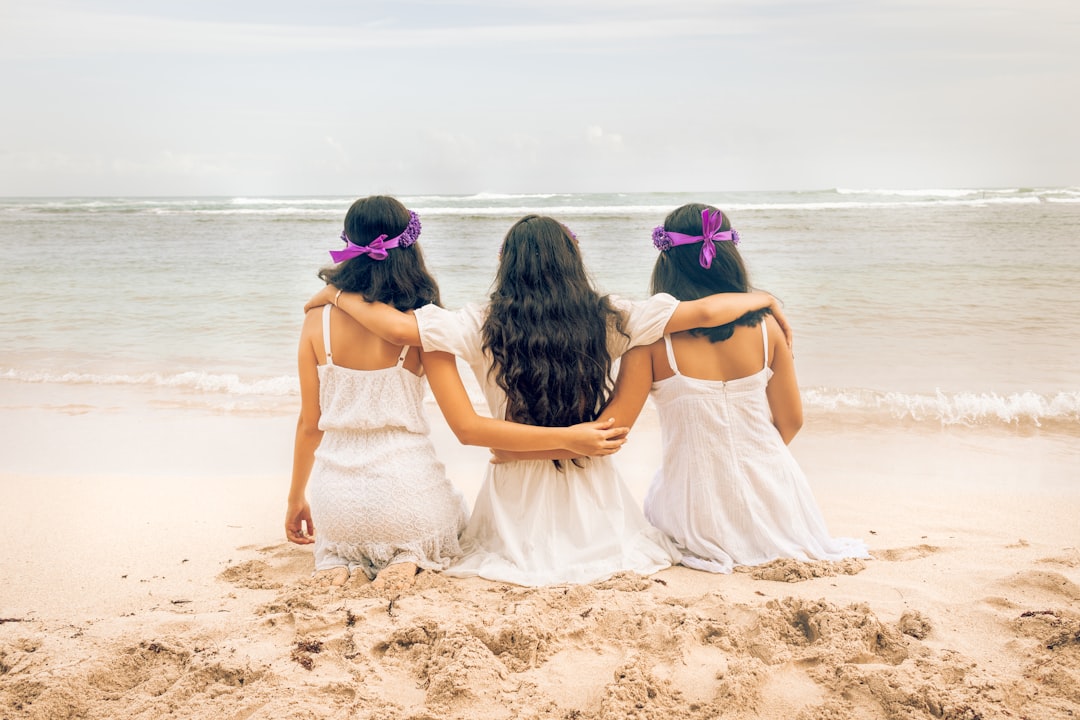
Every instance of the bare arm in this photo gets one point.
(389, 323)
(631, 389)
(595, 438)
(724, 308)
(783, 389)
(298, 525)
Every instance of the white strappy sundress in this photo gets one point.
(377, 492)
(729, 491)
(533, 524)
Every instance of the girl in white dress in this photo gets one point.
(379, 498)
(729, 491)
(542, 349)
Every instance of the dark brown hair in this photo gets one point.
(678, 271)
(402, 279)
(547, 328)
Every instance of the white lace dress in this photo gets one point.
(729, 491)
(377, 492)
(533, 524)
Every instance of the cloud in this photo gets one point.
(119, 96)
(597, 137)
(33, 30)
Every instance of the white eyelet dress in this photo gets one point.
(533, 524)
(729, 491)
(377, 492)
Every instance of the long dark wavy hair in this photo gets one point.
(678, 270)
(402, 279)
(547, 328)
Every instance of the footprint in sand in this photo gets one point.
(914, 552)
(282, 565)
(1070, 558)
(1043, 585)
(792, 571)
(251, 575)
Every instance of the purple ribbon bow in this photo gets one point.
(376, 249)
(710, 225)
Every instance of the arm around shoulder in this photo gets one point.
(716, 310)
(389, 323)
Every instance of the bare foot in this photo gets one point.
(396, 577)
(331, 577)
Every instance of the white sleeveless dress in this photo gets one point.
(533, 524)
(377, 492)
(729, 491)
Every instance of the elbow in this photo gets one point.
(469, 434)
(403, 335)
(403, 332)
(789, 428)
(308, 427)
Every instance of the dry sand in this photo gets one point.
(169, 592)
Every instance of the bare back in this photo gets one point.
(356, 347)
(739, 356)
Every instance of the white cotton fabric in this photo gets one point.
(377, 492)
(730, 492)
(531, 523)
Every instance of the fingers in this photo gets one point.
(612, 445)
(295, 532)
(323, 297)
(615, 433)
(297, 536)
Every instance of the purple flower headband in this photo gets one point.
(377, 248)
(711, 222)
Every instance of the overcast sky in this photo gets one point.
(211, 97)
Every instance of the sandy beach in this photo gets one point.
(145, 575)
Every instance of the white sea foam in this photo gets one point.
(885, 204)
(655, 210)
(555, 210)
(517, 204)
(512, 196)
(949, 193)
(211, 385)
(947, 409)
(277, 211)
(969, 409)
(224, 383)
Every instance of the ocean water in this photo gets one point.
(928, 308)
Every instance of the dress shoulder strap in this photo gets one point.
(326, 333)
(765, 341)
(670, 354)
(401, 360)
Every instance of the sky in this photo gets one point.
(243, 98)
